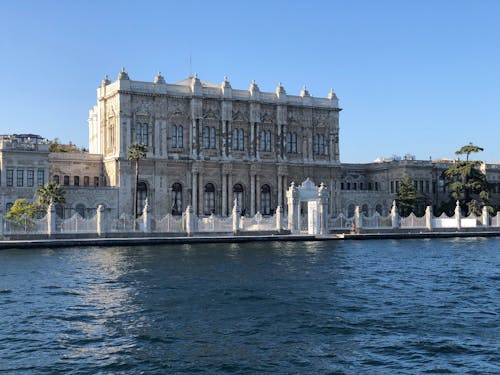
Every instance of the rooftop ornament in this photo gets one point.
(123, 75)
(159, 79)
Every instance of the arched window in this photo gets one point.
(209, 199)
(176, 199)
(291, 142)
(60, 211)
(212, 137)
(268, 141)
(180, 137)
(173, 135)
(378, 208)
(265, 140)
(364, 209)
(206, 137)
(319, 145)
(265, 200)
(238, 196)
(238, 139)
(80, 210)
(142, 194)
(142, 133)
(56, 179)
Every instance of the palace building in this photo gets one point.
(207, 146)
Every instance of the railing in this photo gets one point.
(413, 221)
(340, 222)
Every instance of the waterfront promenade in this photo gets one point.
(142, 240)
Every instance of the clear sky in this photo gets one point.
(419, 77)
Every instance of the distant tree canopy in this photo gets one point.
(22, 213)
(56, 146)
(409, 200)
(467, 183)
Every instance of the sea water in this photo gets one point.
(374, 307)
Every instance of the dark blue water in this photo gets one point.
(371, 307)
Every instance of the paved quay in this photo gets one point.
(134, 241)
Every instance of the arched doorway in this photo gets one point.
(209, 199)
(176, 199)
(265, 200)
(142, 194)
(238, 196)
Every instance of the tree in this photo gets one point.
(406, 197)
(51, 192)
(22, 213)
(467, 183)
(55, 146)
(136, 152)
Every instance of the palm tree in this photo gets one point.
(136, 152)
(49, 193)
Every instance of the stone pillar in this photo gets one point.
(224, 195)
(293, 199)
(252, 194)
(278, 219)
(257, 193)
(190, 218)
(51, 219)
(394, 216)
(357, 218)
(146, 219)
(458, 216)
(100, 218)
(280, 190)
(323, 195)
(428, 218)
(194, 194)
(236, 213)
(485, 217)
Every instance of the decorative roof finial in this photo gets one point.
(280, 90)
(159, 78)
(225, 83)
(332, 95)
(123, 75)
(106, 81)
(304, 92)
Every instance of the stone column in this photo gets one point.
(323, 194)
(428, 218)
(146, 219)
(190, 218)
(278, 219)
(51, 219)
(458, 216)
(100, 218)
(280, 190)
(224, 194)
(293, 199)
(357, 218)
(252, 140)
(252, 194)
(257, 194)
(394, 216)
(485, 217)
(236, 213)
(201, 190)
(230, 190)
(194, 194)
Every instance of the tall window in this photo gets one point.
(238, 195)
(66, 180)
(265, 140)
(141, 133)
(86, 180)
(176, 199)
(40, 177)
(76, 180)
(209, 199)
(265, 200)
(96, 181)
(319, 145)
(56, 179)
(10, 177)
(142, 194)
(208, 137)
(177, 136)
(30, 177)
(291, 142)
(238, 139)
(20, 177)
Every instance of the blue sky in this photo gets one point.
(419, 77)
